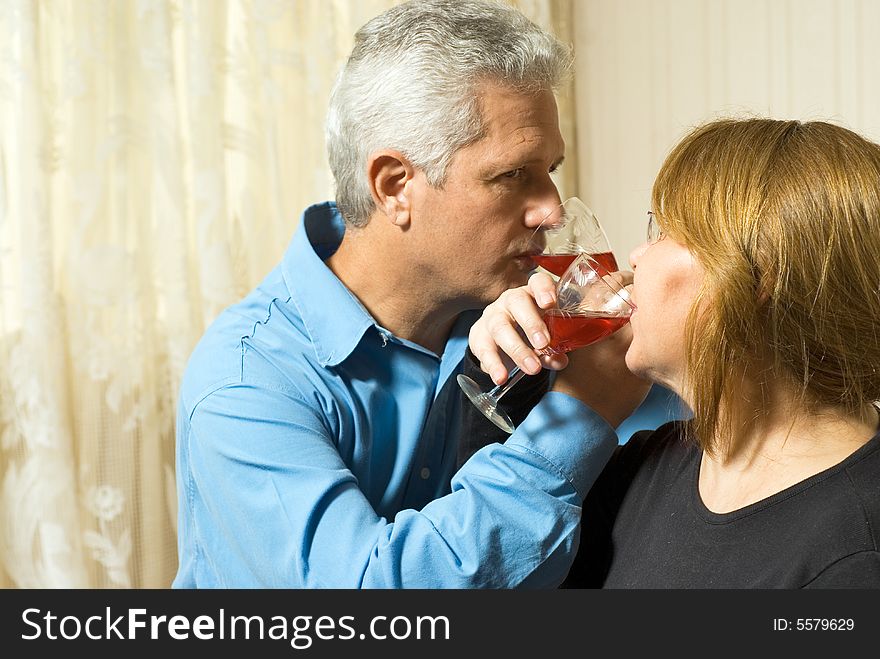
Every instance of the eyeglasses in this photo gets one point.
(655, 233)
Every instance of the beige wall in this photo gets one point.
(647, 70)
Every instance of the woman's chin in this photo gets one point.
(633, 363)
(645, 370)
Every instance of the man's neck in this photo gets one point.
(379, 274)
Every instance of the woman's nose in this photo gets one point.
(636, 254)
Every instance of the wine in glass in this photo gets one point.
(571, 229)
(591, 304)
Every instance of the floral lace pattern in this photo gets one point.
(106, 503)
(163, 151)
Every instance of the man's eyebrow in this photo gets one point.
(513, 164)
(507, 164)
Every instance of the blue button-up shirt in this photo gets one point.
(317, 449)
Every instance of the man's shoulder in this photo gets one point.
(260, 339)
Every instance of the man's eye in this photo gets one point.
(514, 173)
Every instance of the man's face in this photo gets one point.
(472, 235)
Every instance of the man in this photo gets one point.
(319, 418)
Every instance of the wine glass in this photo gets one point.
(590, 305)
(571, 229)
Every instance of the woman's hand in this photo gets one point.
(597, 376)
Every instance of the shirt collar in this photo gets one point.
(334, 318)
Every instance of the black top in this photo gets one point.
(645, 526)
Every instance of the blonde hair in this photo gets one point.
(784, 218)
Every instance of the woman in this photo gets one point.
(758, 295)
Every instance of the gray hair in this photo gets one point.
(410, 84)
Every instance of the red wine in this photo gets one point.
(557, 263)
(569, 331)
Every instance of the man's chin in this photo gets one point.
(490, 294)
(492, 288)
(515, 280)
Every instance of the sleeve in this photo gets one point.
(600, 508)
(274, 504)
(478, 431)
(860, 570)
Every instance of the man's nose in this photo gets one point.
(544, 210)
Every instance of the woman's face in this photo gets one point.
(666, 281)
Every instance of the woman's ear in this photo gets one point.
(388, 173)
(764, 290)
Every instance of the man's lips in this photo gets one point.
(528, 253)
(525, 260)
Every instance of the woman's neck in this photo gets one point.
(781, 449)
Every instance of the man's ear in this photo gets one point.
(388, 173)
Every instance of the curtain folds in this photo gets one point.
(155, 156)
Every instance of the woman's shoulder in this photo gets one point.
(649, 456)
(668, 441)
(862, 470)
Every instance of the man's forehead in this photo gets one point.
(525, 141)
(505, 110)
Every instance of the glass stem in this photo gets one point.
(513, 377)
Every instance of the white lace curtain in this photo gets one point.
(154, 158)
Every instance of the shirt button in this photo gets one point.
(425, 473)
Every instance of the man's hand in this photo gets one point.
(512, 328)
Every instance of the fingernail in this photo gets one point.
(545, 298)
(532, 364)
(539, 339)
(498, 376)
